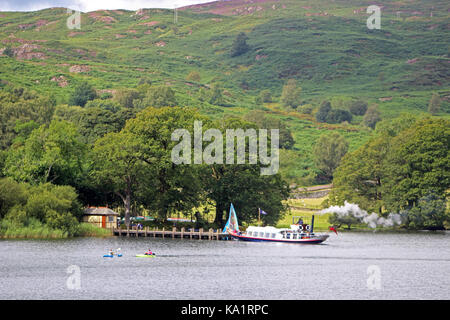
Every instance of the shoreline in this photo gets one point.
(383, 231)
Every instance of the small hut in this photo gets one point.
(101, 217)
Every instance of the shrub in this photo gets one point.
(82, 94)
(358, 108)
(324, 109)
(266, 96)
(338, 116)
(290, 96)
(305, 109)
(126, 97)
(239, 45)
(435, 104)
(371, 117)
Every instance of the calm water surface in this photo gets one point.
(347, 266)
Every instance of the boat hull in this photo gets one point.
(312, 240)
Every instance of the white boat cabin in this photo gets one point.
(295, 232)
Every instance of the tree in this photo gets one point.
(243, 185)
(372, 116)
(53, 153)
(239, 45)
(338, 116)
(126, 97)
(216, 96)
(172, 187)
(82, 94)
(430, 213)
(290, 97)
(159, 96)
(56, 206)
(324, 109)
(104, 104)
(358, 178)
(358, 107)
(286, 139)
(360, 175)
(18, 105)
(348, 220)
(328, 152)
(92, 122)
(403, 162)
(417, 163)
(117, 167)
(435, 104)
(8, 52)
(11, 194)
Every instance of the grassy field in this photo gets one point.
(305, 208)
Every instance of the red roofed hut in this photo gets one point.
(102, 217)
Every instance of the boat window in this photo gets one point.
(273, 235)
(294, 236)
(267, 235)
(288, 236)
(261, 234)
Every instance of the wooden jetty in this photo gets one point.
(174, 233)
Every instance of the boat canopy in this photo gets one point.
(263, 229)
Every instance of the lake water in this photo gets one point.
(347, 266)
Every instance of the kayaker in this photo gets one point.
(111, 252)
(149, 252)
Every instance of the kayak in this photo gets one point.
(145, 256)
(111, 256)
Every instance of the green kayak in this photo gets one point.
(145, 255)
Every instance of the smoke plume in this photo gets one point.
(372, 220)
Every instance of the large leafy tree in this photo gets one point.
(173, 187)
(417, 163)
(53, 153)
(116, 167)
(243, 185)
(359, 176)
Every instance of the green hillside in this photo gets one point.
(324, 45)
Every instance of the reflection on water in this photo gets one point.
(404, 266)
